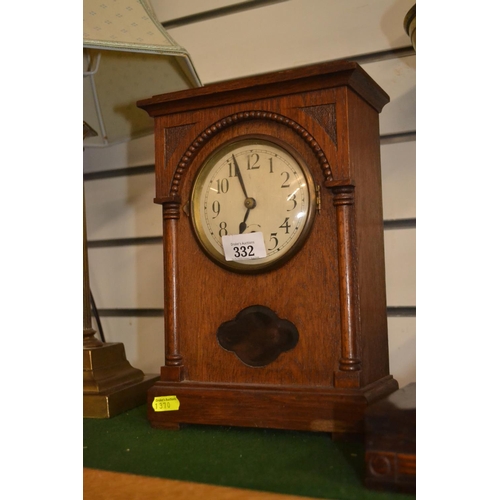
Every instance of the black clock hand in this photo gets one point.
(238, 174)
(250, 203)
(243, 225)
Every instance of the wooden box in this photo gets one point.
(390, 438)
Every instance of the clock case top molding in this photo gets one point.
(332, 290)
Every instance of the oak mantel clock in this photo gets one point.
(275, 301)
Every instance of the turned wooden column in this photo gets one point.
(173, 369)
(343, 201)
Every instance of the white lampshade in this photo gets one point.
(127, 56)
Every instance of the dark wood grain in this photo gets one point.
(332, 290)
(280, 83)
(257, 336)
(390, 441)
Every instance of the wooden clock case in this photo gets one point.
(332, 290)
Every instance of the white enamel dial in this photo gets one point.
(250, 186)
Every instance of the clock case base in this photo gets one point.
(293, 408)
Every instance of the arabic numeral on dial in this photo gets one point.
(271, 166)
(222, 229)
(292, 198)
(222, 186)
(285, 225)
(251, 162)
(287, 178)
(274, 239)
(216, 209)
(232, 172)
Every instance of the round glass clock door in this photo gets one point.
(252, 204)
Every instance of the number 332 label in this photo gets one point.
(244, 246)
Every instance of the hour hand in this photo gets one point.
(250, 203)
(243, 225)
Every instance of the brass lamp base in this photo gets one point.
(110, 384)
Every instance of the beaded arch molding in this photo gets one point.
(230, 120)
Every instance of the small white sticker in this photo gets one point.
(244, 246)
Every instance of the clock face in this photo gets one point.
(252, 204)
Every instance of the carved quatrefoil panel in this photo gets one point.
(257, 336)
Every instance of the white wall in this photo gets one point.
(126, 275)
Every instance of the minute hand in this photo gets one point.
(238, 174)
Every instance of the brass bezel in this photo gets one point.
(203, 173)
